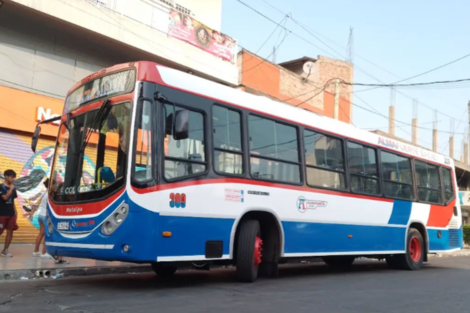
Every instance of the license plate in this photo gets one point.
(63, 226)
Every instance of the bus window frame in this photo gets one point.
(378, 165)
(383, 180)
(440, 183)
(345, 162)
(206, 146)
(242, 153)
(153, 181)
(299, 150)
(441, 169)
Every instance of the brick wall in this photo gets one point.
(291, 85)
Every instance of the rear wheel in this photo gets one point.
(249, 251)
(164, 271)
(339, 261)
(413, 259)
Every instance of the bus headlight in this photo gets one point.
(108, 228)
(115, 220)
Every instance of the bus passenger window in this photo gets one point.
(362, 162)
(185, 157)
(228, 156)
(274, 150)
(143, 170)
(427, 179)
(397, 176)
(324, 160)
(448, 185)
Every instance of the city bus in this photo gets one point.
(153, 165)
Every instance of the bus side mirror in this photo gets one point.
(34, 140)
(181, 127)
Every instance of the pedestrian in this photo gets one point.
(41, 209)
(8, 212)
(42, 213)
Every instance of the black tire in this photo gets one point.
(164, 271)
(392, 262)
(247, 270)
(339, 261)
(413, 259)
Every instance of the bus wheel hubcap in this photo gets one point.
(258, 249)
(415, 249)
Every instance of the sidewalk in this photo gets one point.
(24, 266)
(464, 252)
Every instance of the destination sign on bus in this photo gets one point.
(101, 87)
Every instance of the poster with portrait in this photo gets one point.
(184, 28)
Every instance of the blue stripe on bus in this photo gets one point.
(320, 237)
(401, 212)
(450, 239)
(189, 235)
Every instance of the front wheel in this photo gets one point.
(164, 271)
(249, 250)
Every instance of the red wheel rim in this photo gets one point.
(415, 249)
(258, 249)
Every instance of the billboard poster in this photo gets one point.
(184, 28)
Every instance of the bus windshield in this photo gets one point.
(91, 154)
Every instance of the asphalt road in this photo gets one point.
(442, 286)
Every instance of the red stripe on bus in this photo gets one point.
(85, 208)
(440, 216)
(253, 183)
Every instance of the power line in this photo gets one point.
(322, 89)
(411, 84)
(309, 42)
(266, 59)
(272, 33)
(434, 69)
(405, 123)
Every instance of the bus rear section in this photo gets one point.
(154, 165)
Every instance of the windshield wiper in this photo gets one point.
(97, 119)
(67, 126)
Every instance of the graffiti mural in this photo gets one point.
(29, 183)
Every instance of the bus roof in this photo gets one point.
(152, 72)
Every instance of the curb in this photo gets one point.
(447, 255)
(49, 273)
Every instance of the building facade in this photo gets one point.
(61, 42)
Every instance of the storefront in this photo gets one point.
(20, 111)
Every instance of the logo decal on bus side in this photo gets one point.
(177, 200)
(303, 204)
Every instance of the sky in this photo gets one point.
(393, 40)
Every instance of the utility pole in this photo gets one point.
(350, 50)
(391, 113)
(414, 123)
(434, 133)
(451, 138)
(336, 108)
(465, 145)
